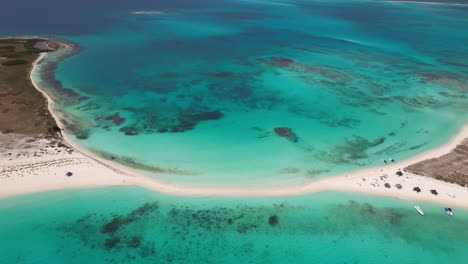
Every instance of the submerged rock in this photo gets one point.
(116, 119)
(351, 151)
(286, 132)
(273, 220)
(204, 116)
(223, 74)
(115, 224)
(130, 109)
(111, 242)
(119, 221)
(82, 134)
(188, 119)
(129, 131)
(134, 242)
(368, 209)
(278, 61)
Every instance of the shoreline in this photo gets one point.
(148, 12)
(423, 2)
(356, 182)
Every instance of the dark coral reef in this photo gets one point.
(287, 133)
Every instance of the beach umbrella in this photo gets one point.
(387, 185)
(69, 173)
(398, 186)
(434, 192)
(399, 173)
(417, 189)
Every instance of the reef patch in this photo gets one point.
(287, 133)
(129, 130)
(116, 119)
(351, 151)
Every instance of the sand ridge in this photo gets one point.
(21, 172)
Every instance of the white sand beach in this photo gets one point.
(33, 165)
(39, 166)
(21, 172)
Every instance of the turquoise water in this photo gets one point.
(194, 95)
(130, 225)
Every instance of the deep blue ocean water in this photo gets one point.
(243, 93)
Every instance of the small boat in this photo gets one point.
(420, 211)
(449, 211)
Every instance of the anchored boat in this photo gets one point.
(448, 211)
(420, 211)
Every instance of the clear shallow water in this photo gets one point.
(130, 225)
(193, 96)
(357, 82)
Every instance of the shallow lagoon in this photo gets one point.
(357, 82)
(131, 225)
(194, 95)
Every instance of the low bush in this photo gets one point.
(14, 62)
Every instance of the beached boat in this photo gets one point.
(449, 211)
(420, 211)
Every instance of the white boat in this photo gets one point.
(420, 211)
(449, 211)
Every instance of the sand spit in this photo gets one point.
(32, 164)
(36, 165)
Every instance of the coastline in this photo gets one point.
(424, 2)
(148, 12)
(103, 172)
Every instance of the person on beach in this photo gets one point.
(385, 161)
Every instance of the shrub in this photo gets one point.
(14, 62)
(9, 48)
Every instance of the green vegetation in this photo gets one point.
(16, 54)
(19, 100)
(14, 62)
(9, 48)
(14, 51)
(29, 45)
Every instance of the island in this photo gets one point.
(37, 156)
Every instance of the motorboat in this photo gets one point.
(449, 211)
(420, 211)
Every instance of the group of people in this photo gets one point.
(391, 160)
